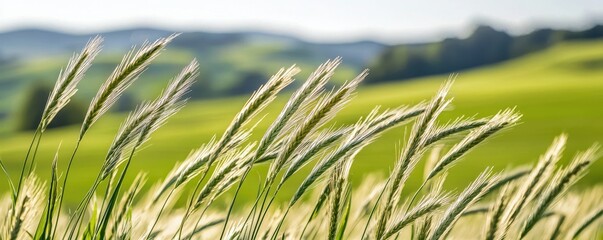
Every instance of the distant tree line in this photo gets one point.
(33, 104)
(4, 60)
(484, 46)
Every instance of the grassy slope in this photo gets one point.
(223, 68)
(15, 80)
(559, 90)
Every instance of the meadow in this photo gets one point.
(557, 91)
(222, 69)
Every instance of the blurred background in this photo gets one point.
(543, 57)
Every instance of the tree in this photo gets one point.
(31, 109)
(125, 103)
(250, 81)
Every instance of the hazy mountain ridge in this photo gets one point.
(33, 43)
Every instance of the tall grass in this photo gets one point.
(519, 204)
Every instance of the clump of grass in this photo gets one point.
(65, 87)
(21, 219)
(325, 203)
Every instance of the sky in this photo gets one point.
(322, 20)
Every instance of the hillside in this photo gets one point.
(232, 63)
(484, 46)
(557, 90)
(236, 63)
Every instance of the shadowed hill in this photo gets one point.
(484, 46)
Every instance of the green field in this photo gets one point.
(221, 71)
(558, 91)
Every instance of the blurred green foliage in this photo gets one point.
(31, 109)
(235, 70)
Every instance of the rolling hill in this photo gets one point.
(232, 63)
(558, 90)
(484, 46)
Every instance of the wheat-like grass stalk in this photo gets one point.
(51, 202)
(337, 183)
(324, 111)
(305, 94)
(121, 220)
(586, 222)
(17, 222)
(424, 228)
(475, 210)
(457, 126)
(66, 85)
(149, 117)
(131, 66)
(495, 124)
(560, 183)
(508, 178)
(234, 232)
(201, 228)
(426, 122)
(258, 101)
(323, 140)
(231, 166)
(21, 220)
(558, 225)
(64, 89)
(403, 164)
(171, 100)
(361, 135)
(127, 135)
(194, 163)
(326, 136)
(391, 118)
(538, 174)
(140, 124)
(320, 202)
(469, 196)
(495, 214)
(426, 206)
